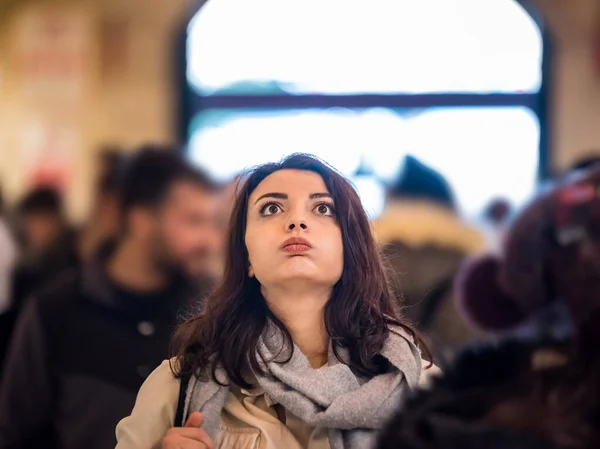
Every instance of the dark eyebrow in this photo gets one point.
(313, 196)
(283, 196)
(279, 196)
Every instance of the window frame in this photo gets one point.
(191, 103)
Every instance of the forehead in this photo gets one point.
(291, 182)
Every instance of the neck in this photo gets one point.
(90, 238)
(303, 315)
(132, 267)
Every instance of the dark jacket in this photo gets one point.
(78, 357)
(467, 407)
(29, 276)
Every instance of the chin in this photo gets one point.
(298, 266)
(301, 276)
(299, 272)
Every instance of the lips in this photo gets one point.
(296, 245)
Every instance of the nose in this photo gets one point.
(297, 218)
(297, 223)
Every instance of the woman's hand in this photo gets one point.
(189, 437)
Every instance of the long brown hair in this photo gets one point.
(225, 333)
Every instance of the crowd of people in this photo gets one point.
(271, 313)
(95, 307)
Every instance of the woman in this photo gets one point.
(300, 346)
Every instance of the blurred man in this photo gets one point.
(84, 345)
(51, 247)
(48, 242)
(65, 251)
(42, 219)
(103, 222)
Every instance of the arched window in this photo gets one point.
(457, 83)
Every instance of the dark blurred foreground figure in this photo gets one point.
(84, 344)
(540, 388)
(425, 240)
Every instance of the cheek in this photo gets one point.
(331, 238)
(250, 243)
(178, 231)
(257, 245)
(254, 253)
(338, 248)
(334, 248)
(171, 234)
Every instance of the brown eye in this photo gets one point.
(270, 209)
(325, 209)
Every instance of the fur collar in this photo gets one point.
(418, 223)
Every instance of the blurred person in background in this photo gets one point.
(103, 223)
(67, 252)
(8, 257)
(540, 386)
(496, 218)
(42, 220)
(425, 241)
(84, 345)
(226, 202)
(48, 242)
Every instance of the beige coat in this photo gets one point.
(248, 421)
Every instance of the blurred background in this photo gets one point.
(123, 123)
(496, 95)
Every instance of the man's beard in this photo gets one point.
(176, 271)
(171, 268)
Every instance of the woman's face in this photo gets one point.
(292, 233)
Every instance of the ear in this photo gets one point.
(250, 271)
(483, 300)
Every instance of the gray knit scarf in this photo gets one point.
(352, 409)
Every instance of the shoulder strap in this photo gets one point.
(180, 419)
